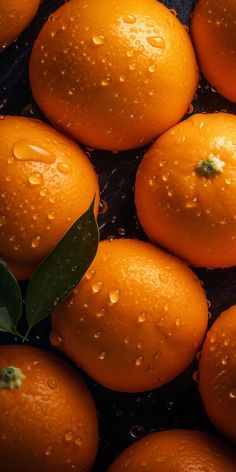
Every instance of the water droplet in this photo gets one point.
(170, 405)
(191, 203)
(102, 207)
(160, 459)
(43, 193)
(35, 242)
(24, 151)
(142, 317)
(151, 93)
(152, 181)
(52, 384)
(48, 451)
(190, 109)
(114, 296)
(90, 274)
(225, 360)
(121, 231)
(130, 53)
(3, 221)
(126, 340)
(96, 287)
(157, 355)
(35, 178)
(166, 306)
(68, 436)
(122, 78)
(178, 322)
(199, 355)
(156, 42)
(102, 355)
(78, 441)
(196, 376)
(137, 431)
(63, 167)
(152, 68)
(227, 342)
(232, 394)
(105, 82)
(165, 177)
(55, 338)
(51, 215)
(139, 361)
(129, 19)
(100, 313)
(98, 40)
(97, 334)
(213, 346)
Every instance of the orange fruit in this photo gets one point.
(46, 183)
(136, 319)
(47, 417)
(214, 35)
(186, 190)
(113, 75)
(176, 451)
(218, 373)
(15, 15)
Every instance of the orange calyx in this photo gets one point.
(11, 378)
(210, 167)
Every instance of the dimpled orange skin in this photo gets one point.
(42, 192)
(176, 451)
(136, 319)
(214, 35)
(113, 75)
(218, 373)
(192, 215)
(15, 15)
(49, 423)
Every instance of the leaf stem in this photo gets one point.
(25, 338)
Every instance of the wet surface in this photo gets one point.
(124, 417)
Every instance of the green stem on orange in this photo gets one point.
(210, 167)
(11, 378)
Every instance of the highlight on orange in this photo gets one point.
(214, 36)
(185, 190)
(113, 75)
(136, 320)
(48, 420)
(176, 451)
(15, 16)
(46, 182)
(217, 372)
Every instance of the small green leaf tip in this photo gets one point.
(210, 167)
(11, 378)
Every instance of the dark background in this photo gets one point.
(123, 417)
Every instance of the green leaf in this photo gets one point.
(63, 269)
(10, 300)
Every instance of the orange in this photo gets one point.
(46, 183)
(47, 417)
(136, 320)
(15, 15)
(186, 190)
(113, 74)
(218, 373)
(177, 451)
(214, 34)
